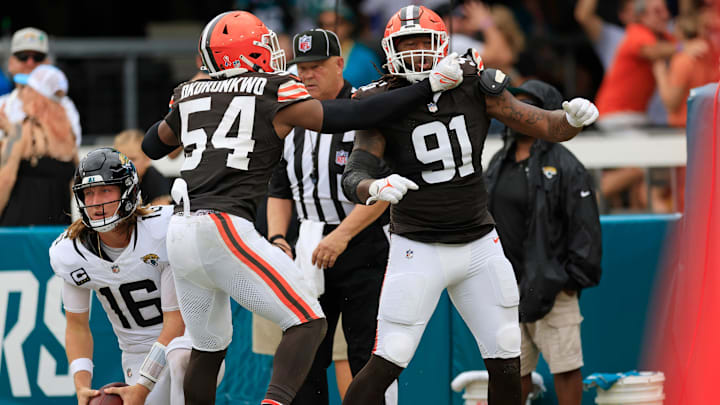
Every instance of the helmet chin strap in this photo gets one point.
(104, 224)
(227, 73)
(255, 67)
(114, 221)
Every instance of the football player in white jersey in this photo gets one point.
(118, 250)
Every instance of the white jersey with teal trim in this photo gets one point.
(134, 289)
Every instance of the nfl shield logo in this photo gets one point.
(305, 43)
(341, 157)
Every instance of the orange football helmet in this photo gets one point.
(239, 40)
(414, 20)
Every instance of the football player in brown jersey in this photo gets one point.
(443, 236)
(232, 128)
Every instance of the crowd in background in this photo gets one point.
(637, 59)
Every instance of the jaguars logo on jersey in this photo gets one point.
(151, 259)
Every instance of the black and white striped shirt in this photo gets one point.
(310, 172)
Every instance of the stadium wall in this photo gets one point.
(33, 368)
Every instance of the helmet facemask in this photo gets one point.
(277, 54)
(409, 64)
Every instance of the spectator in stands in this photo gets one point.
(546, 213)
(361, 62)
(674, 83)
(29, 49)
(472, 21)
(36, 177)
(606, 37)
(645, 41)
(154, 187)
(685, 70)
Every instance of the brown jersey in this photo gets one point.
(439, 147)
(226, 129)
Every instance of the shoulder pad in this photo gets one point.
(63, 256)
(493, 81)
(156, 223)
(368, 90)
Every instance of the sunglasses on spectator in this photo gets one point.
(24, 56)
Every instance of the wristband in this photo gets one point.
(152, 366)
(146, 382)
(81, 364)
(276, 237)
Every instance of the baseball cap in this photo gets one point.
(29, 39)
(315, 44)
(548, 96)
(45, 79)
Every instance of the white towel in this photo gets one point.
(309, 236)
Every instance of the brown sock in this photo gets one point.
(201, 377)
(504, 387)
(293, 358)
(369, 385)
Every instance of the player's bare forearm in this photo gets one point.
(79, 344)
(173, 326)
(78, 338)
(279, 214)
(527, 119)
(560, 129)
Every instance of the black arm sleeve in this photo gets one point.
(360, 166)
(153, 146)
(280, 182)
(340, 115)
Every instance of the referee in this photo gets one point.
(340, 242)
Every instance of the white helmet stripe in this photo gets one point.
(408, 15)
(205, 44)
(411, 15)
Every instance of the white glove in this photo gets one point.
(447, 74)
(391, 188)
(580, 112)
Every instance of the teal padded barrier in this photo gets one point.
(33, 367)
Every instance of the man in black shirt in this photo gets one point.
(539, 192)
(443, 235)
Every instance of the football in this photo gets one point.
(108, 399)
